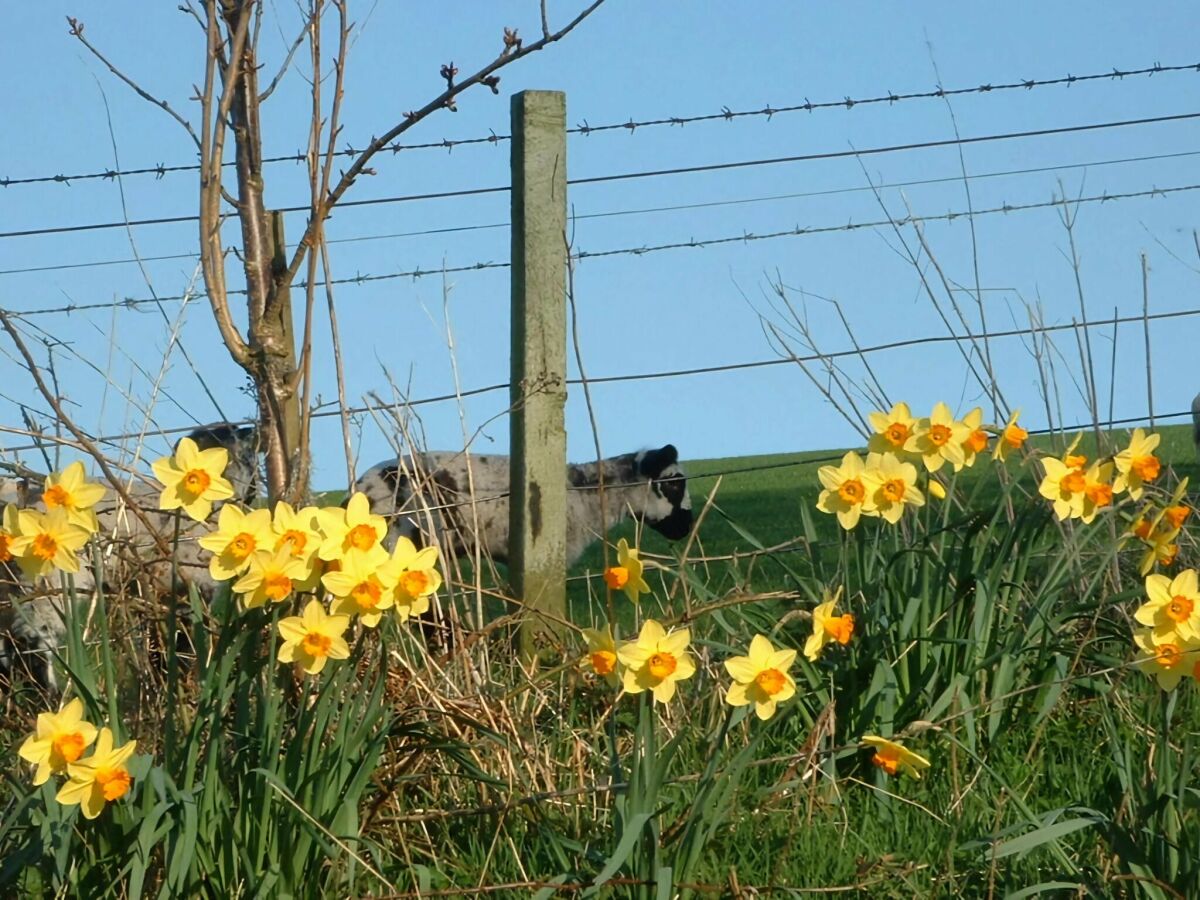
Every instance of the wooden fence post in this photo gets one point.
(538, 499)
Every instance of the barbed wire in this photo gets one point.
(706, 204)
(585, 129)
(333, 410)
(652, 173)
(692, 243)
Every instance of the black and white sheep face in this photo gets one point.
(668, 506)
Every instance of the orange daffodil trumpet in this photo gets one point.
(656, 660)
(761, 677)
(1136, 464)
(827, 627)
(193, 479)
(626, 575)
(602, 654)
(1012, 438)
(69, 490)
(59, 740)
(894, 757)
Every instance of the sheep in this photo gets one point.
(649, 484)
(32, 621)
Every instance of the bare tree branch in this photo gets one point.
(513, 50)
(77, 32)
(287, 62)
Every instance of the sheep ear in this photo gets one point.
(656, 460)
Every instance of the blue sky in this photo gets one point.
(637, 313)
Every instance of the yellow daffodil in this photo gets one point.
(1172, 610)
(239, 534)
(1064, 486)
(70, 490)
(1162, 549)
(891, 430)
(1169, 661)
(352, 528)
(845, 492)
(9, 530)
(313, 637)
(1097, 491)
(977, 437)
(47, 541)
(1011, 439)
(99, 779)
(893, 757)
(361, 587)
(298, 531)
(415, 576)
(270, 575)
(939, 439)
(193, 479)
(827, 627)
(891, 486)
(656, 661)
(59, 740)
(602, 653)
(761, 677)
(1137, 464)
(626, 575)
(937, 490)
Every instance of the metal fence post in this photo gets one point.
(538, 500)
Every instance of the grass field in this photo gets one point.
(989, 637)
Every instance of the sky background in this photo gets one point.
(657, 311)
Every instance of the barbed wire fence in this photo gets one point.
(630, 126)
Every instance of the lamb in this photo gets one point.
(32, 621)
(649, 484)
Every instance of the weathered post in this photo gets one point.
(538, 501)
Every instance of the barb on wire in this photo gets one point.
(890, 98)
(744, 237)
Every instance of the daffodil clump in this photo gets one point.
(903, 454)
(46, 539)
(56, 748)
(273, 557)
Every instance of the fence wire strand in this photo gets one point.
(889, 98)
